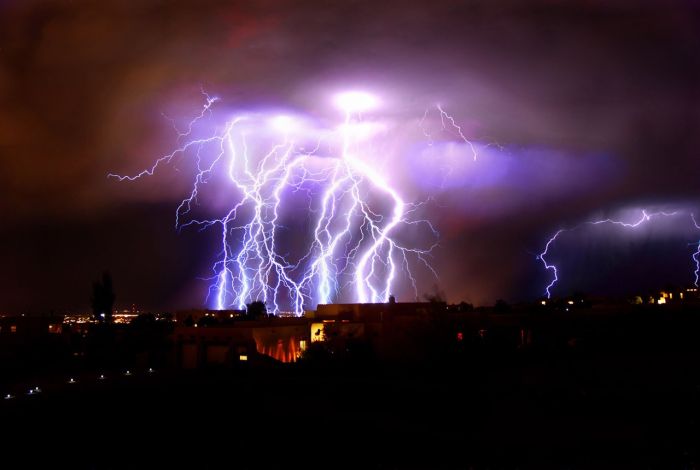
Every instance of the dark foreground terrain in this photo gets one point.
(598, 392)
(614, 411)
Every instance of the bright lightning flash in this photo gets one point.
(353, 242)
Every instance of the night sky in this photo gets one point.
(592, 109)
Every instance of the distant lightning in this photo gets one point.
(696, 254)
(645, 217)
(353, 242)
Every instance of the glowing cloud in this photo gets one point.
(356, 101)
(354, 211)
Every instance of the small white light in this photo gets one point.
(355, 101)
(283, 123)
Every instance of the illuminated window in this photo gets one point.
(13, 328)
(317, 332)
(242, 357)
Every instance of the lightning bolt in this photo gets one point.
(449, 125)
(446, 120)
(696, 254)
(645, 217)
(353, 244)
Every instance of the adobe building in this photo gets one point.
(209, 343)
(392, 331)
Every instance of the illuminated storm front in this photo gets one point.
(643, 218)
(283, 170)
(310, 214)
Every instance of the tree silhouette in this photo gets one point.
(464, 307)
(437, 296)
(103, 298)
(501, 306)
(256, 310)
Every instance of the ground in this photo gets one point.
(618, 409)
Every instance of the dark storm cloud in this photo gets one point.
(84, 86)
